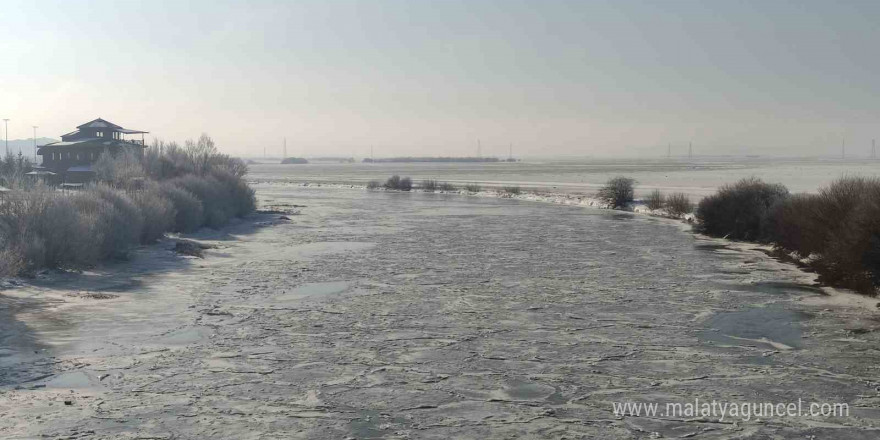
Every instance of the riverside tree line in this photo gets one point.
(135, 200)
(835, 232)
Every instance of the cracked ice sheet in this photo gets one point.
(368, 317)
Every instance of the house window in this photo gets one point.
(99, 134)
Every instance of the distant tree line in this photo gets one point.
(431, 159)
(294, 160)
(13, 169)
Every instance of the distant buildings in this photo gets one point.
(72, 158)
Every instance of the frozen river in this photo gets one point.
(430, 316)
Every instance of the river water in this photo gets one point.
(373, 314)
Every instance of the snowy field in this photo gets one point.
(697, 178)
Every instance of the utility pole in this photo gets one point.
(510, 152)
(873, 148)
(690, 150)
(284, 153)
(479, 148)
(6, 130)
(35, 144)
(371, 153)
(669, 151)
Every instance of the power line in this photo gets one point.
(6, 129)
(35, 144)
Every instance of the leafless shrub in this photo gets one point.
(157, 211)
(678, 205)
(111, 219)
(166, 160)
(448, 187)
(217, 208)
(393, 182)
(472, 187)
(14, 169)
(512, 190)
(123, 169)
(793, 224)
(22, 220)
(405, 184)
(398, 183)
(241, 196)
(618, 192)
(429, 185)
(739, 211)
(655, 200)
(839, 228)
(374, 184)
(11, 262)
(188, 212)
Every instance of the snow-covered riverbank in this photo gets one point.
(534, 195)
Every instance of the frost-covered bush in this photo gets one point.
(678, 205)
(157, 210)
(23, 226)
(188, 212)
(170, 188)
(123, 169)
(218, 209)
(618, 192)
(240, 195)
(126, 221)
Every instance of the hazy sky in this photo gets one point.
(431, 77)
